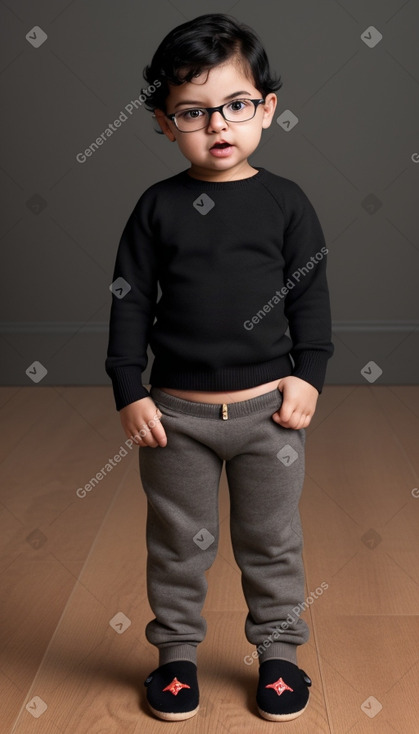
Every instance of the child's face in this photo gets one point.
(210, 90)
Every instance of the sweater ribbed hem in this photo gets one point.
(185, 377)
(127, 386)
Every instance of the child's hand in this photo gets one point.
(141, 421)
(298, 405)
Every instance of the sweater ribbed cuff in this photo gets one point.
(311, 367)
(127, 386)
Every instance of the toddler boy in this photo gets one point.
(240, 257)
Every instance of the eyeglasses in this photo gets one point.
(240, 110)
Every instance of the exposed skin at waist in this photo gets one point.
(234, 396)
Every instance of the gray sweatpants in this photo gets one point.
(265, 472)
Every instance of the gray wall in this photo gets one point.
(355, 151)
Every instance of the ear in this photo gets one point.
(165, 125)
(269, 109)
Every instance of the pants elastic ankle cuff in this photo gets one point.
(278, 650)
(177, 652)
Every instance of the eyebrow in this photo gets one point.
(199, 104)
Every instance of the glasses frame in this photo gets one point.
(210, 111)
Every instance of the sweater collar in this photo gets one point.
(197, 183)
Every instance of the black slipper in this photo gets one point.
(172, 691)
(282, 692)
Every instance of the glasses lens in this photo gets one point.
(239, 110)
(189, 120)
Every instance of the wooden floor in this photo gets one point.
(72, 576)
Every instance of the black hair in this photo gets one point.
(197, 46)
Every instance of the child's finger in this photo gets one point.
(151, 433)
(157, 429)
(144, 437)
(285, 412)
(159, 434)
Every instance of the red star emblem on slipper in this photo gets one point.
(279, 686)
(175, 686)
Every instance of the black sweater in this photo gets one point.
(238, 262)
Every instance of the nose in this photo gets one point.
(216, 121)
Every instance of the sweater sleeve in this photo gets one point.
(307, 303)
(133, 307)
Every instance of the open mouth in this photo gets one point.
(221, 145)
